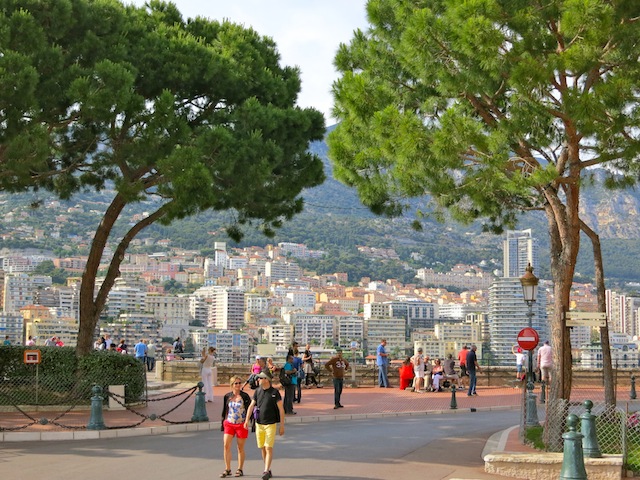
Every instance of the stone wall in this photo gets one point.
(189, 371)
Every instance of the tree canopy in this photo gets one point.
(187, 115)
(492, 107)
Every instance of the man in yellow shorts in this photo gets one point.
(267, 409)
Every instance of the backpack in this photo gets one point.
(285, 380)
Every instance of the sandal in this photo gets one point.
(226, 473)
(239, 473)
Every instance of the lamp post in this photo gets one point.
(529, 284)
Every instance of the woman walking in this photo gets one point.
(234, 413)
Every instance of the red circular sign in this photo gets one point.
(528, 338)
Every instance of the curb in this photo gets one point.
(208, 426)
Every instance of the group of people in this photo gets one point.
(144, 350)
(543, 362)
(263, 411)
(420, 374)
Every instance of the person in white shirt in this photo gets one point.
(418, 370)
(545, 362)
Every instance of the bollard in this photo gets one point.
(543, 391)
(632, 394)
(454, 403)
(590, 447)
(532, 411)
(572, 458)
(96, 421)
(199, 410)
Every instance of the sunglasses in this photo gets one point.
(237, 383)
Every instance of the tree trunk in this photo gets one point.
(88, 312)
(607, 368)
(91, 307)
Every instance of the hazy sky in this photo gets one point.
(307, 33)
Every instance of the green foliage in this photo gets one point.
(471, 103)
(64, 378)
(198, 114)
(533, 437)
(58, 275)
(113, 368)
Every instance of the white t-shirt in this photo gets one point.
(418, 365)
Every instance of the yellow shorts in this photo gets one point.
(266, 435)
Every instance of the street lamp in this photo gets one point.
(529, 284)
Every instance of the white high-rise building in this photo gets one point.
(520, 249)
(226, 310)
(507, 308)
(19, 290)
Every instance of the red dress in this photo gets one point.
(406, 376)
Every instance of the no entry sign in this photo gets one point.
(528, 338)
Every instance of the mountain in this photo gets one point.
(335, 221)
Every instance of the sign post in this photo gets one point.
(33, 357)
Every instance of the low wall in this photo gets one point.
(366, 375)
(547, 466)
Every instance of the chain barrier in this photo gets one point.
(120, 399)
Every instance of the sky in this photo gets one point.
(307, 34)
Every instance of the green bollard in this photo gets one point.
(590, 445)
(531, 419)
(199, 410)
(572, 458)
(632, 393)
(454, 402)
(96, 421)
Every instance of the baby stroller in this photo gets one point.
(312, 374)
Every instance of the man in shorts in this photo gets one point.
(268, 402)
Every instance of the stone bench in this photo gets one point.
(547, 466)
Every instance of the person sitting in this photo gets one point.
(450, 373)
(258, 367)
(437, 373)
(406, 374)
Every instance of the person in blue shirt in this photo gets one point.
(382, 360)
(289, 390)
(6, 342)
(297, 364)
(140, 350)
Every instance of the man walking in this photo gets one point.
(472, 369)
(337, 366)
(545, 362)
(382, 360)
(268, 403)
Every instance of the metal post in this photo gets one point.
(543, 390)
(590, 445)
(96, 421)
(199, 410)
(572, 458)
(532, 410)
(454, 402)
(632, 393)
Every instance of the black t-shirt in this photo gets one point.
(307, 353)
(471, 361)
(267, 402)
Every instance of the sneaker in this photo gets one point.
(474, 394)
(266, 475)
(340, 406)
(335, 407)
(469, 395)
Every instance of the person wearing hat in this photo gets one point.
(269, 410)
(337, 366)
